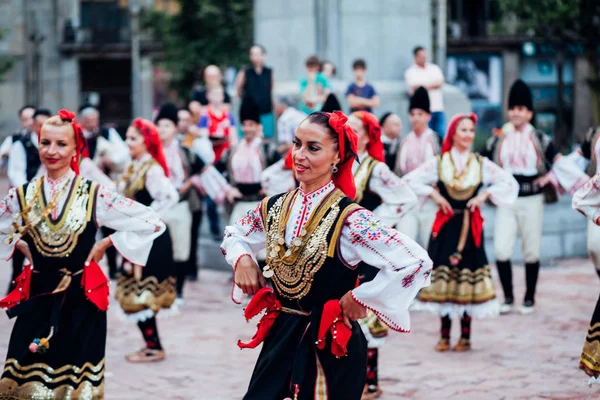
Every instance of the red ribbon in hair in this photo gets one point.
(152, 140)
(288, 163)
(375, 145)
(348, 148)
(449, 139)
(80, 142)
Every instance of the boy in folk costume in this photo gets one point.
(529, 155)
(419, 146)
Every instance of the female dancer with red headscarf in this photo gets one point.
(461, 282)
(379, 190)
(315, 237)
(56, 350)
(143, 292)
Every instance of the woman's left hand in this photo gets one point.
(477, 201)
(98, 250)
(351, 309)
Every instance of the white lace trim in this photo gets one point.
(488, 309)
(146, 314)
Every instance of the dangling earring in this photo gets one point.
(334, 169)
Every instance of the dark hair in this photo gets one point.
(42, 111)
(417, 49)
(25, 107)
(313, 61)
(384, 117)
(334, 69)
(260, 46)
(360, 63)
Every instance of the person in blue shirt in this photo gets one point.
(361, 95)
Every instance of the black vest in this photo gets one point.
(32, 157)
(258, 88)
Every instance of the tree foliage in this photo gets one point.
(563, 22)
(6, 63)
(204, 32)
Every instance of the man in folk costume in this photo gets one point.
(379, 190)
(420, 145)
(391, 129)
(529, 155)
(26, 120)
(247, 160)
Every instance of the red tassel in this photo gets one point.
(264, 299)
(440, 221)
(21, 291)
(332, 322)
(95, 285)
(477, 226)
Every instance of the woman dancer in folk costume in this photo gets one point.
(143, 291)
(381, 191)
(461, 282)
(587, 201)
(315, 237)
(56, 350)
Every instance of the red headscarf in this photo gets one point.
(80, 142)
(371, 124)
(152, 140)
(348, 147)
(288, 162)
(448, 140)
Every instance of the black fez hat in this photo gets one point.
(520, 95)
(249, 111)
(167, 111)
(420, 100)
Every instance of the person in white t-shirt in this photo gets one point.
(430, 76)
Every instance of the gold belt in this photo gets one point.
(294, 312)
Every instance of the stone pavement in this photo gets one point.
(514, 357)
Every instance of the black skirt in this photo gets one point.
(289, 356)
(463, 286)
(150, 288)
(73, 365)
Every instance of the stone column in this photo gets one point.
(583, 117)
(510, 73)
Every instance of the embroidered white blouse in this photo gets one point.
(404, 266)
(586, 200)
(396, 196)
(159, 187)
(501, 185)
(136, 226)
(246, 163)
(415, 150)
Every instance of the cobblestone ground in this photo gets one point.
(514, 356)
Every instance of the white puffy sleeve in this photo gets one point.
(119, 152)
(244, 237)
(89, 170)
(17, 165)
(420, 180)
(8, 207)
(211, 182)
(396, 195)
(404, 267)
(136, 225)
(500, 184)
(161, 189)
(568, 172)
(587, 199)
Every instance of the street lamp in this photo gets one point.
(136, 100)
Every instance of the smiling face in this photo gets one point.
(57, 148)
(464, 135)
(314, 154)
(135, 141)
